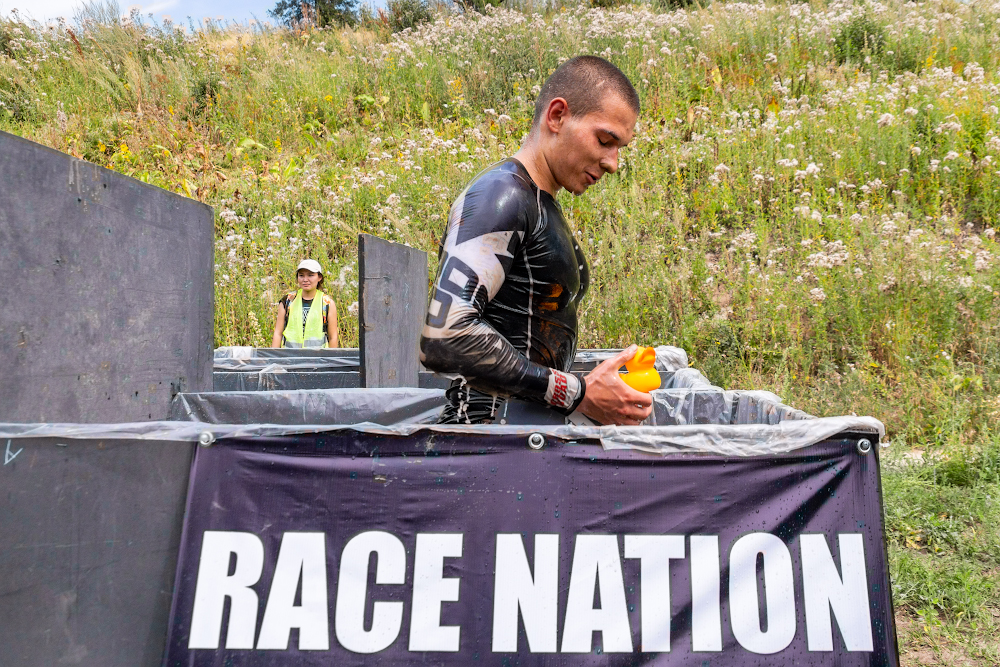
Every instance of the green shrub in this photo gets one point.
(930, 586)
(405, 14)
(670, 5)
(478, 6)
(860, 37)
(15, 102)
(607, 4)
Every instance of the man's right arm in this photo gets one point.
(486, 229)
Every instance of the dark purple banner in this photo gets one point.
(351, 548)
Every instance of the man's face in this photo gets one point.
(586, 147)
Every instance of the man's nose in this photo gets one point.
(609, 163)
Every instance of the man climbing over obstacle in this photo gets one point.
(503, 311)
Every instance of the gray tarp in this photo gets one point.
(687, 397)
(328, 406)
(235, 358)
(729, 440)
(268, 369)
(239, 352)
(271, 365)
(668, 358)
(278, 379)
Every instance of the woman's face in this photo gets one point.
(307, 279)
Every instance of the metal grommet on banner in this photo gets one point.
(536, 441)
(206, 438)
(864, 445)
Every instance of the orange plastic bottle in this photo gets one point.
(641, 375)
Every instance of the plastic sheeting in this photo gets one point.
(687, 398)
(271, 365)
(236, 358)
(278, 379)
(241, 352)
(728, 440)
(329, 406)
(269, 369)
(668, 358)
(681, 407)
(690, 415)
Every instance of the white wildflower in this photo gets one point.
(983, 259)
(974, 73)
(817, 294)
(948, 126)
(833, 254)
(747, 240)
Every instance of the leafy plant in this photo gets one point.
(405, 14)
(859, 38)
(318, 12)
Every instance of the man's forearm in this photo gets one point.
(489, 363)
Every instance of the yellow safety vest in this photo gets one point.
(310, 335)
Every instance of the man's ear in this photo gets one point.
(556, 114)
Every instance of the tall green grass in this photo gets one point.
(808, 206)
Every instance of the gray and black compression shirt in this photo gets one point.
(503, 311)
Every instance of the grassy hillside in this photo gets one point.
(808, 207)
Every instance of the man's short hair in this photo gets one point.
(584, 82)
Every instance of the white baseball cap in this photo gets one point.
(310, 265)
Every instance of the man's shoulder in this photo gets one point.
(500, 198)
(507, 175)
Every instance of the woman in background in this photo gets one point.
(306, 317)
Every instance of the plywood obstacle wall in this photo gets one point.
(106, 291)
